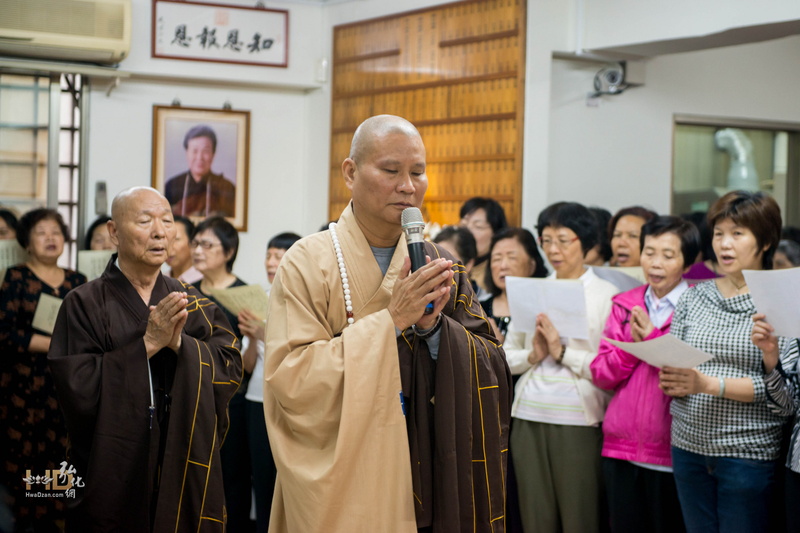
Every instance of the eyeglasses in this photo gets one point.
(205, 245)
(561, 244)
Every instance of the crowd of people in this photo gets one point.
(631, 446)
(588, 437)
(34, 433)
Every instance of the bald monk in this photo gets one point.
(144, 367)
(382, 418)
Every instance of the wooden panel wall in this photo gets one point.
(457, 72)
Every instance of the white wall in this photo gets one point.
(619, 22)
(620, 153)
(288, 183)
(613, 155)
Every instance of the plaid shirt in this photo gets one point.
(713, 426)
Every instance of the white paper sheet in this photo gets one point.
(623, 278)
(563, 301)
(92, 263)
(44, 318)
(666, 350)
(11, 253)
(776, 293)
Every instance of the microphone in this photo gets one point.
(413, 227)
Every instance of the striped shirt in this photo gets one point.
(783, 396)
(713, 426)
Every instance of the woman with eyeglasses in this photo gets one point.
(557, 410)
(214, 245)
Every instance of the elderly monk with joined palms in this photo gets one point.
(382, 417)
(144, 366)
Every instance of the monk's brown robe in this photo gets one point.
(140, 473)
(348, 458)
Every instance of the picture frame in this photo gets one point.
(220, 33)
(201, 161)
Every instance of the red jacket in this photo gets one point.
(637, 423)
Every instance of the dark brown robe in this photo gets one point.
(140, 472)
(458, 416)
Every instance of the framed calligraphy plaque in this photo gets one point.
(200, 161)
(220, 33)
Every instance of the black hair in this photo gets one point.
(201, 130)
(528, 242)
(683, 229)
(791, 233)
(462, 239)
(29, 220)
(633, 211)
(495, 215)
(101, 221)
(570, 215)
(226, 234)
(283, 241)
(187, 224)
(603, 217)
(700, 220)
(10, 219)
(791, 250)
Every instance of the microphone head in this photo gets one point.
(411, 216)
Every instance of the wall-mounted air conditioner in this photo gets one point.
(96, 31)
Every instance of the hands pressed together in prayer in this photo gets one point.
(165, 323)
(546, 341)
(641, 325)
(414, 290)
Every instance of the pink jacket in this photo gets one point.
(637, 423)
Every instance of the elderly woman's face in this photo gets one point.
(101, 239)
(509, 258)
(477, 223)
(180, 257)
(563, 249)
(46, 241)
(625, 240)
(208, 255)
(6, 231)
(199, 156)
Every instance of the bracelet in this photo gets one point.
(561, 355)
(721, 388)
(427, 333)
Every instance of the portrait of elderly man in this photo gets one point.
(144, 367)
(382, 417)
(199, 192)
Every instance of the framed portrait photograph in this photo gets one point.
(200, 161)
